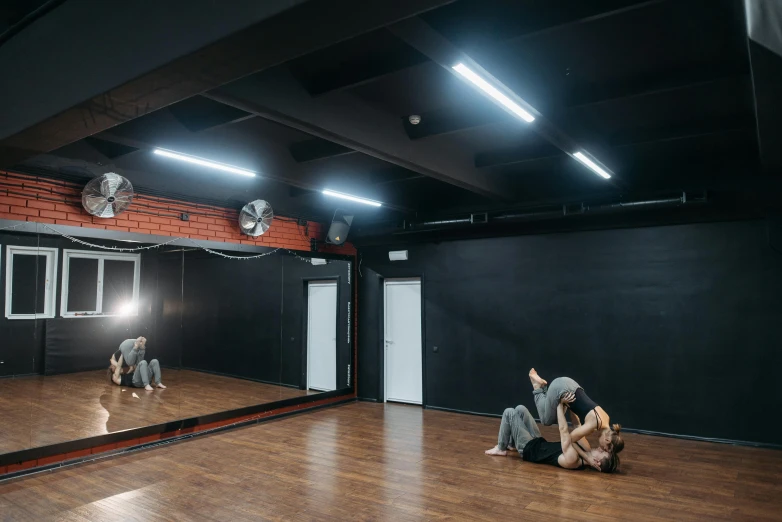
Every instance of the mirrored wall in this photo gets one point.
(220, 334)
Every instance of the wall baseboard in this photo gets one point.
(764, 445)
(366, 399)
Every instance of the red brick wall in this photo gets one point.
(30, 198)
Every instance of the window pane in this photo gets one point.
(117, 285)
(82, 285)
(28, 287)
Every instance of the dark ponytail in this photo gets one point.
(617, 444)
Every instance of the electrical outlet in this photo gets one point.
(184, 216)
(435, 349)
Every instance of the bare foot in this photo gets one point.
(536, 380)
(160, 385)
(148, 387)
(495, 451)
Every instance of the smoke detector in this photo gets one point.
(415, 119)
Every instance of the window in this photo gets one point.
(30, 282)
(99, 284)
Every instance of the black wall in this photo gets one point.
(671, 329)
(248, 318)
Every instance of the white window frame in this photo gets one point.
(67, 255)
(50, 292)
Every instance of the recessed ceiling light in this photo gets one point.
(580, 156)
(204, 162)
(352, 198)
(493, 92)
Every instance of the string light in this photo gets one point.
(13, 226)
(149, 247)
(103, 247)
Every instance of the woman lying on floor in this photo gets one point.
(519, 427)
(586, 415)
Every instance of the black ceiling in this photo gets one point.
(663, 92)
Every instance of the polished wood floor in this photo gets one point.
(38, 411)
(392, 462)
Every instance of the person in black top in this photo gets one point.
(587, 416)
(519, 424)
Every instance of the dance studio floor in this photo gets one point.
(37, 411)
(391, 462)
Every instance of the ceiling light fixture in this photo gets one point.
(493, 92)
(600, 171)
(204, 162)
(351, 198)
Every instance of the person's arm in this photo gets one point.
(582, 431)
(577, 424)
(564, 433)
(586, 456)
(117, 371)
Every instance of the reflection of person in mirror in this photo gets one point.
(138, 373)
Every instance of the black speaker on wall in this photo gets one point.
(340, 226)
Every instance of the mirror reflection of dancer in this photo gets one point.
(131, 352)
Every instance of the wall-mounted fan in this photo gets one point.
(107, 196)
(256, 218)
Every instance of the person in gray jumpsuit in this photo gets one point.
(131, 352)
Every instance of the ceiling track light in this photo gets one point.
(204, 162)
(493, 92)
(357, 199)
(597, 169)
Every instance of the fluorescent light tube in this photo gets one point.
(203, 162)
(580, 156)
(397, 255)
(351, 198)
(493, 92)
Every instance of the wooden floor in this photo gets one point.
(373, 462)
(37, 411)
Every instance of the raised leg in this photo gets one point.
(536, 380)
(142, 375)
(154, 369)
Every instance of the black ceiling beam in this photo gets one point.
(361, 71)
(199, 113)
(379, 54)
(458, 119)
(292, 33)
(277, 96)
(431, 43)
(656, 84)
(283, 169)
(317, 149)
(572, 18)
(628, 138)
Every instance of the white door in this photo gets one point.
(403, 365)
(322, 335)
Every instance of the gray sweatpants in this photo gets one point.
(146, 372)
(518, 426)
(547, 398)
